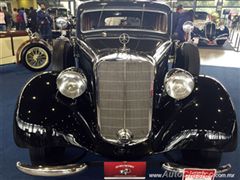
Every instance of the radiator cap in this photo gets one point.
(125, 136)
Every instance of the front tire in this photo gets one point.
(36, 57)
(201, 159)
(62, 55)
(47, 156)
(188, 58)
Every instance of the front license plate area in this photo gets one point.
(124, 170)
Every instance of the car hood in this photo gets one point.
(146, 45)
(97, 49)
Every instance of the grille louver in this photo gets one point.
(124, 98)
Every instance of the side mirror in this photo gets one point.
(188, 27)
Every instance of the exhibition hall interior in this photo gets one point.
(119, 89)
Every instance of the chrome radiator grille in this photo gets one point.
(124, 98)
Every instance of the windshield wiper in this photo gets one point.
(100, 17)
(143, 11)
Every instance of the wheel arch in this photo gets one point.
(26, 43)
(205, 120)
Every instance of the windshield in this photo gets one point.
(154, 21)
(62, 13)
(201, 15)
(58, 12)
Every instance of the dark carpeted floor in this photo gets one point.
(12, 79)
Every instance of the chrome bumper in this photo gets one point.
(49, 171)
(177, 168)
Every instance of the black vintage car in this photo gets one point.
(208, 32)
(113, 92)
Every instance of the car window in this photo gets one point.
(52, 12)
(62, 13)
(201, 15)
(58, 12)
(96, 20)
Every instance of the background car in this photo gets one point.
(61, 12)
(200, 18)
(209, 30)
(113, 92)
(211, 34)
(26, 48)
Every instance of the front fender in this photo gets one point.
(44, 118)
(26, 43)
(205, 120)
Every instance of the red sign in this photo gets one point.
(199, 174)
(124, 170)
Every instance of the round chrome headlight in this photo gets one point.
(61, 23)
(179, 83)
(188, 27)
(71, 83)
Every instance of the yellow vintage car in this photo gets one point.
(24, 47)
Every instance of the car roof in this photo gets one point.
(125, 4)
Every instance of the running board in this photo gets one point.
(177, 168)
(51, 171)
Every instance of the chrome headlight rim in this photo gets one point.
(61, 23)
(188, 83)
(71, 82)
(188, 27)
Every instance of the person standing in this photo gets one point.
(2, 20)
(176, 15)
(33, 20)
(22, 19)
(8, 18)
(14, 17)
(184, 17)
(229, 20)
(44, 23)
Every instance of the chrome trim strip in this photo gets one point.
(211, 30)
(177, 168)
(87, 49)
(218, 38)
(131, 37)
(162, 50)
(30, 128)
(124, 56)
(187, 134)
(223, 35)
(51, 171)
(118, 29)
(221, 38)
